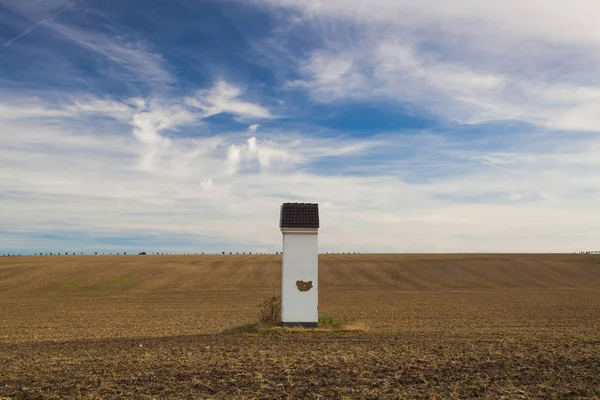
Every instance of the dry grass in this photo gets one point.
(439, 326)
(356, 326)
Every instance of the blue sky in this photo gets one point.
(436, 126)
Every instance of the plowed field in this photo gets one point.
(519, 326)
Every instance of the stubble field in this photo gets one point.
(440, 326)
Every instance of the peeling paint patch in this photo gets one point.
(304, 286)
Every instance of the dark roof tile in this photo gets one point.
(299, 215)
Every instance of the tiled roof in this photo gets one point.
(299, 215)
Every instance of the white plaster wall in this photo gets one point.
(300, 263)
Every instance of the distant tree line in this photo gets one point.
(143, 253)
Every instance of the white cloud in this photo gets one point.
(229, 189)
(36, 24)
(133, 55)
(468, 61)
(395, 71)
(33, 109)
(207, 184)
(150, 119)
(64, 170)
(233, 159)
(558, 20)
(224, 98)
(264, 155)
(91, 105)
(333, 75)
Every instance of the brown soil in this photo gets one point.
(441, 326)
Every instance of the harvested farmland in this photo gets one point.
(439, 325)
